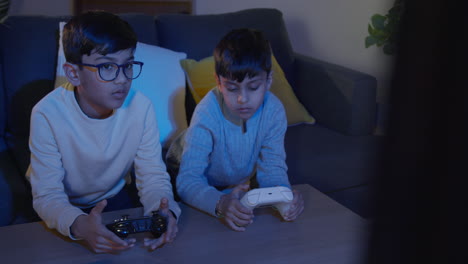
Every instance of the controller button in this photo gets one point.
(253, 199)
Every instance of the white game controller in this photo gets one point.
(279, 197)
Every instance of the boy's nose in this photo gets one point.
(242, 98)
(121, 78)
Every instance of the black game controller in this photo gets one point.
(156, 224)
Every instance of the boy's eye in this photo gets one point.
(254, 88)
(231, 88)
(129, 65)
(107, 66)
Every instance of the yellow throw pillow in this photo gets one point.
(201, 79)
(200, 76)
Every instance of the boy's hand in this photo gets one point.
(172, 229)
(99, 238)
(236, 216)
(297, 206)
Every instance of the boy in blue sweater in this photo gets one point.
(236, 135)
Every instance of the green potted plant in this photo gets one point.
(4, 5)
(383, 29)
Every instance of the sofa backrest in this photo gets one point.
(28, 47)
(197, 35)
(28, 55)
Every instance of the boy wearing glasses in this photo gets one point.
(236, 132)
(88, 135)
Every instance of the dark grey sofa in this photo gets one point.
(336, 155)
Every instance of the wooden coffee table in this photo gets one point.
(326, 232)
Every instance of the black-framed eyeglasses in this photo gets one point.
(108, 71)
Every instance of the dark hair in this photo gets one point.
(242, 52)
(98, 31)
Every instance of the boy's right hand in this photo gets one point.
(236, 216)
(99, 238)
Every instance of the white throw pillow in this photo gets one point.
(162, 80)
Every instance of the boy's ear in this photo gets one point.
(218, 83)
(269, 80)
(71, 73)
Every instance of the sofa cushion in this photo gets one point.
(358, 199)
(144, 27)
(197, 35)
(328, 160)
(201, 79)
(163, 81)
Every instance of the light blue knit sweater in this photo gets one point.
(217, 152)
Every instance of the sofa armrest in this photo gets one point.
(339, 98)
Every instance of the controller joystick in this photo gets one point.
(156, 224)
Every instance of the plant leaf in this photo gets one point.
(380, 43)
(380, 34)
(370, 29)
(370, 40)
(383, 29)
(378, 21)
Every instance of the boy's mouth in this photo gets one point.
(244, 110)
(119, 94)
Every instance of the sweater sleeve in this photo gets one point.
(271, 164)
(192, 183)
(46, 174)
(152, 180)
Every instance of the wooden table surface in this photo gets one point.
(326, 232)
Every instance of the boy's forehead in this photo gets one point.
(119, 55)
(259, 76)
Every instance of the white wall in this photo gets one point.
(330, 30)
(41, 7)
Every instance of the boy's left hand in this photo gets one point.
(296, 208)
(170, 234)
